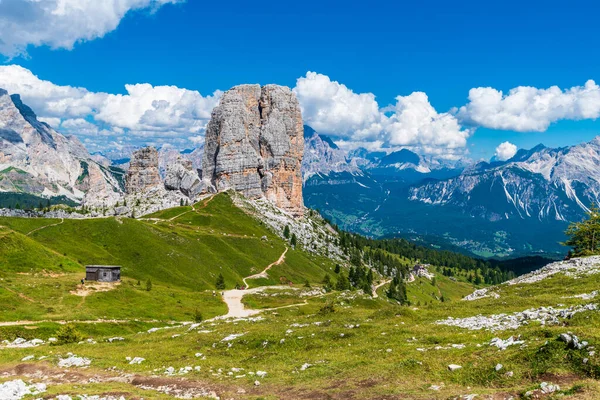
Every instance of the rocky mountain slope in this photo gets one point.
(323, 157)
(254, 145)
(542, 183)
(37, 160)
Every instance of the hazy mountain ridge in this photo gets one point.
(542, 183)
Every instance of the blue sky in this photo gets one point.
(385, 48)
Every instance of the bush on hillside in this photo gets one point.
(68, 334)
(220, 283)
(198, 316)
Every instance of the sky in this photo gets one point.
(448, 79)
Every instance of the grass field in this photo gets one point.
(337, 345)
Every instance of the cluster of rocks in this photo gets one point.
(504, 344)
(585, 296)
(182, 176)
(500, 322)
(573, 268)
(18, 389)
(313, 233)
(573, 341)
(23, 343)
(73, 361)
(544, 390)
(254, 145)
(481, 294)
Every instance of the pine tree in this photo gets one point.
(286, 232)
(584, 236)
(148, 285)
(343, 283)
(294, 240)
(337, 268)
(220, 283)
(327, 283)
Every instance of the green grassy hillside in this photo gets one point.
(311, 344)
(181, 251)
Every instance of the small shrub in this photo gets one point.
(220, 283)
(328, 308)
(68, 334)
(148, 285)
(198, 316)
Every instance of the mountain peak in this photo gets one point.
(401, 156)
(308, 131)
(537, 148)
(3, 92)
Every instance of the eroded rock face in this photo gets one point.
(182, 176)
(254, 145)
(36, 159)
(143, 172)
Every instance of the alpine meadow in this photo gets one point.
(189, 210)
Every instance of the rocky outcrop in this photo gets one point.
(254, 145)
(182, 176)
(143, 172)
(323, 157)
(37, 160)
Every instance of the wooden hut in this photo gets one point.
(103, 273)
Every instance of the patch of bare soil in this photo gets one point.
(50, 375)
(94, 287)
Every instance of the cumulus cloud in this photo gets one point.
(416, 123)
(505, 151)
(356, 119)
(529, 109)
(331, 108)
(62, 23)
(145, 113)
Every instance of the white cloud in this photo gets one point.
(332, 108)
(505, 151)
(145, 113)
(416, 123)
(527, 109)
(62, 23)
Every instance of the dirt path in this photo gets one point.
(47, 226)
(263, 274)
(193, 209)
(233, 298)
(21, 295)
(375, 295)
(63, 322)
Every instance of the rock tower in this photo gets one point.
(143, 171)
(254, 145)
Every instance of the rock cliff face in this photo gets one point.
(254, 145)
(182, 176)
(143, 172)
(37, 160)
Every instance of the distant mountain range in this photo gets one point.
(511, 208)
(516, 207)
